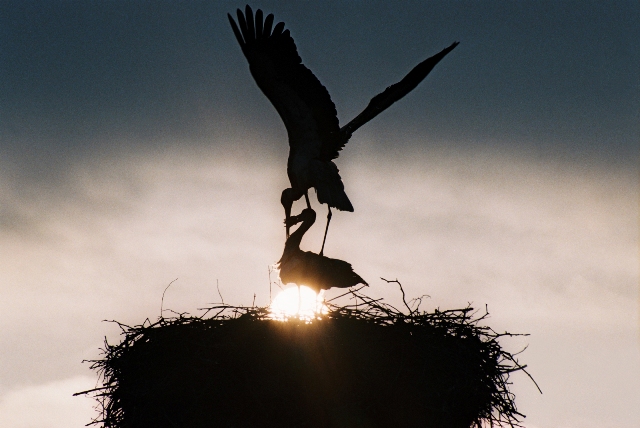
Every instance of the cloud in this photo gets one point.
(49, 405)
(550, 247)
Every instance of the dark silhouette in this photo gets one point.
(313, 270)
(362, 365)
(315, 136)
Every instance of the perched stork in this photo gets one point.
(315, 136)
(316, 271)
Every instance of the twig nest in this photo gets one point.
(366, 365)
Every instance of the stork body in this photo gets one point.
(313, 270)
(305, 107)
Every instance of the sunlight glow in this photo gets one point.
(298, 302)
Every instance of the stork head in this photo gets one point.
(286, 199)
(307, 216)
(289, 196)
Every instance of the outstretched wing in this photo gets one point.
(300, 99)
(393, 93)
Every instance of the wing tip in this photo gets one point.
(236, 31)
(277, 30)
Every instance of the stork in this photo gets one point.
(305, 107)
(316, 271)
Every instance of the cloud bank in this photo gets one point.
(550, 248)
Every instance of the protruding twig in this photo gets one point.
(90, 390)
(269, 270)
(404, 297)
(219, 293)
(162, 300)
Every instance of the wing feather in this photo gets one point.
(393, 93)
(278, 29)
(248, 14)
(259, 22)
(384, 100)
(301, 100)
(236, 31)
(243, 24)
(268, 23)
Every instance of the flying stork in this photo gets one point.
(305, 107)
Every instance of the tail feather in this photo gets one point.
(328, 185)
(323, 273)
(345, 276)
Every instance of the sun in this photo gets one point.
(298, 302)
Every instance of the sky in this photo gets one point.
(135, 148)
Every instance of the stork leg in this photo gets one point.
(326, 229)
(306, 197)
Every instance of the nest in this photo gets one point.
(365, 364)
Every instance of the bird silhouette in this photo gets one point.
(305, 107)
(316, 271)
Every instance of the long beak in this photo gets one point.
(287, 212)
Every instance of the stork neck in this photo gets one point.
(296, 237)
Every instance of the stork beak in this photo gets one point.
(287, 203)
(287, 220)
